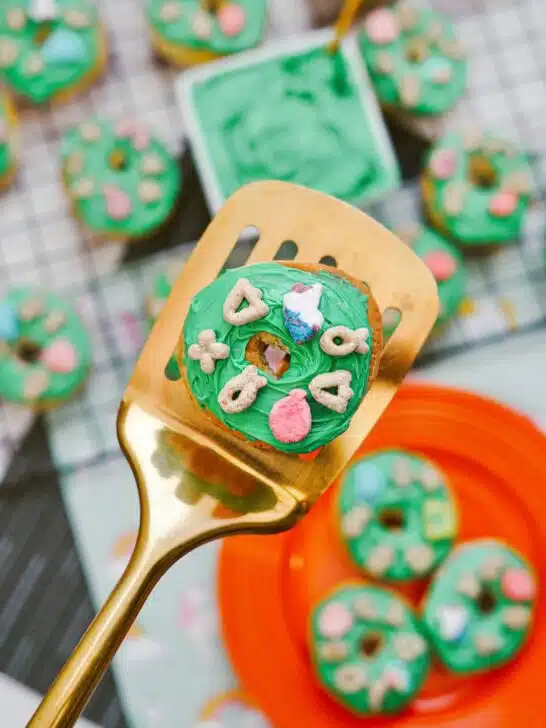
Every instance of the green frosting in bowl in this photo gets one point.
(341, 304)
(291, 113)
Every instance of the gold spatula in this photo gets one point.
(225, 485)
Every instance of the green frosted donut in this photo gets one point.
(161, 290)
(281, 355)
(185, 32)
(476, 189)
(8, 140)
(480, 606)
(444, 262)
(396, 515)
(45, 352)
(50, 48)
(122, 180)
(368, 650)
(414, 59)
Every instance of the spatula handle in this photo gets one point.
(69, 694)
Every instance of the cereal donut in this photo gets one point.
(444, 262)
(45, 352)
(476, 190)
(368, 649)
(282, 354)
(122, 181)
(185, 32)
(9, 141)
(480, 606)
(396, 515)
(50, 49)
(414, 59)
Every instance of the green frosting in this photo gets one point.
(464, 204)
(368, 650)
(340, 303)
(414, 59)
(479, 608)
(123, 181)
(33, 325)
(187, 23)
(42, 59)
(396, 514)
(301, 116)
(7, 158)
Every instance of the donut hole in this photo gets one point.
(268, 353)
(392, 519)
(371, 644)
(416, 52)
(118, 160)
(28, 351)
(482, 172)
(43, 31)
(486, 600)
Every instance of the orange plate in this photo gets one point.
(496, 462)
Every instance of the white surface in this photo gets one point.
(18, 703)
(513, 371)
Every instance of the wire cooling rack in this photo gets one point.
(40, 244)
(505, 293)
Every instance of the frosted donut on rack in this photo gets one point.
(477, 190)
(50, 49)
(121, 179)
(45, 352)
(415, 61)
(188, 32)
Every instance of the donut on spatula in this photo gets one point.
(282, 354)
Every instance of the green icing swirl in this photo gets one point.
(474, 224)
(15, 373)
(341, 304)
(433, 98)
(178, 28)
(93, 157)
(365, 610)
(18, 49)
(7, 158)
(469, 563)
(421, 504)
(309, 127)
